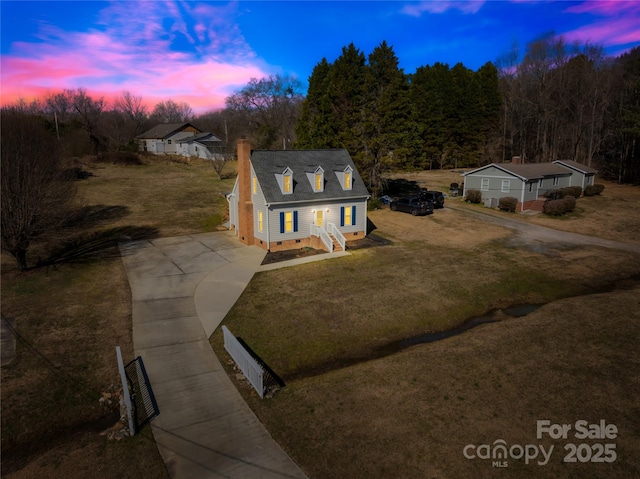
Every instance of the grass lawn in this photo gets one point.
(342, 414)
(349, 410)
(73, 314)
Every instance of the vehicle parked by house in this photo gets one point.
(415, 205)
(434, 196)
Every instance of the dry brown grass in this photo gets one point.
(612, 215)
(74, 314)
(410, 414)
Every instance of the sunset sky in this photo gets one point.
(200, 52)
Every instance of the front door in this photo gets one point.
(319, 217)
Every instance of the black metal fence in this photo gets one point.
(143, 402)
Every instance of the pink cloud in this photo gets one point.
(133, 52)
(615, 23)
(441, 6)
(605, 7)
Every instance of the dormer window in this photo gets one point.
(285, 181)
(347, 178)
(316, 179)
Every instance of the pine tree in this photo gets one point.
(314, 128)
(389, 134)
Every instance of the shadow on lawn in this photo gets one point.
(96, 245)
(95, 215)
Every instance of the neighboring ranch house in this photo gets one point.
(526, 182)
(290, 199)
(581, 175)
(180, 139)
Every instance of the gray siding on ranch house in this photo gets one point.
(525, 182)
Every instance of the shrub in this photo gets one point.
(569, 203)
(374, 204)
(508, 203)
(474, 196)
(592, 190)
(554, 207)
(575, 191)
(553, 195)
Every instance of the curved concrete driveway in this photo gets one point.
(205, 429)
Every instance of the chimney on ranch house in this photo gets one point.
(516, 160)
(245, 205)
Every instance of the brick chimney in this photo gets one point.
(245, 205)
(516, 160)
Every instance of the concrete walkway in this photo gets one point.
(182, 288)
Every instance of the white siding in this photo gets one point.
(259, 204)
(306, 217)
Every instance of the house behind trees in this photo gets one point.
(182, 139)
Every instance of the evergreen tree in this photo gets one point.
(431, 98)
(345, 93)
(389, 135)
(314, 128)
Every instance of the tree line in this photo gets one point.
(554, 101)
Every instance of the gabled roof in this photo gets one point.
(574, 165)
(204, 136)
(527, 171)
(164, 130)
(269, 163)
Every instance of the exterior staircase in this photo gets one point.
(336, 244)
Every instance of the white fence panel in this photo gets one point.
(249, 366)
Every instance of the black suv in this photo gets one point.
(412, 204)
(434, 196)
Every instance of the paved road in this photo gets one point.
(537, 236)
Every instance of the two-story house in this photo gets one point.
(289, 199)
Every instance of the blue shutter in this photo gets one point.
(295, 221)
(353, 215)
(282, 222)
(342, 216)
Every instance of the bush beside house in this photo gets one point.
(508, 203)
(592, 190)
(474, 196)
(554, 207)
(569, 203)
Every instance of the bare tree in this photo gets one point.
(219, 161)
(35, 188)
(171, 112)
(89, 111)
(134, 110)
(271, 107)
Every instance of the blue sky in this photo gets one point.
(200, 52)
